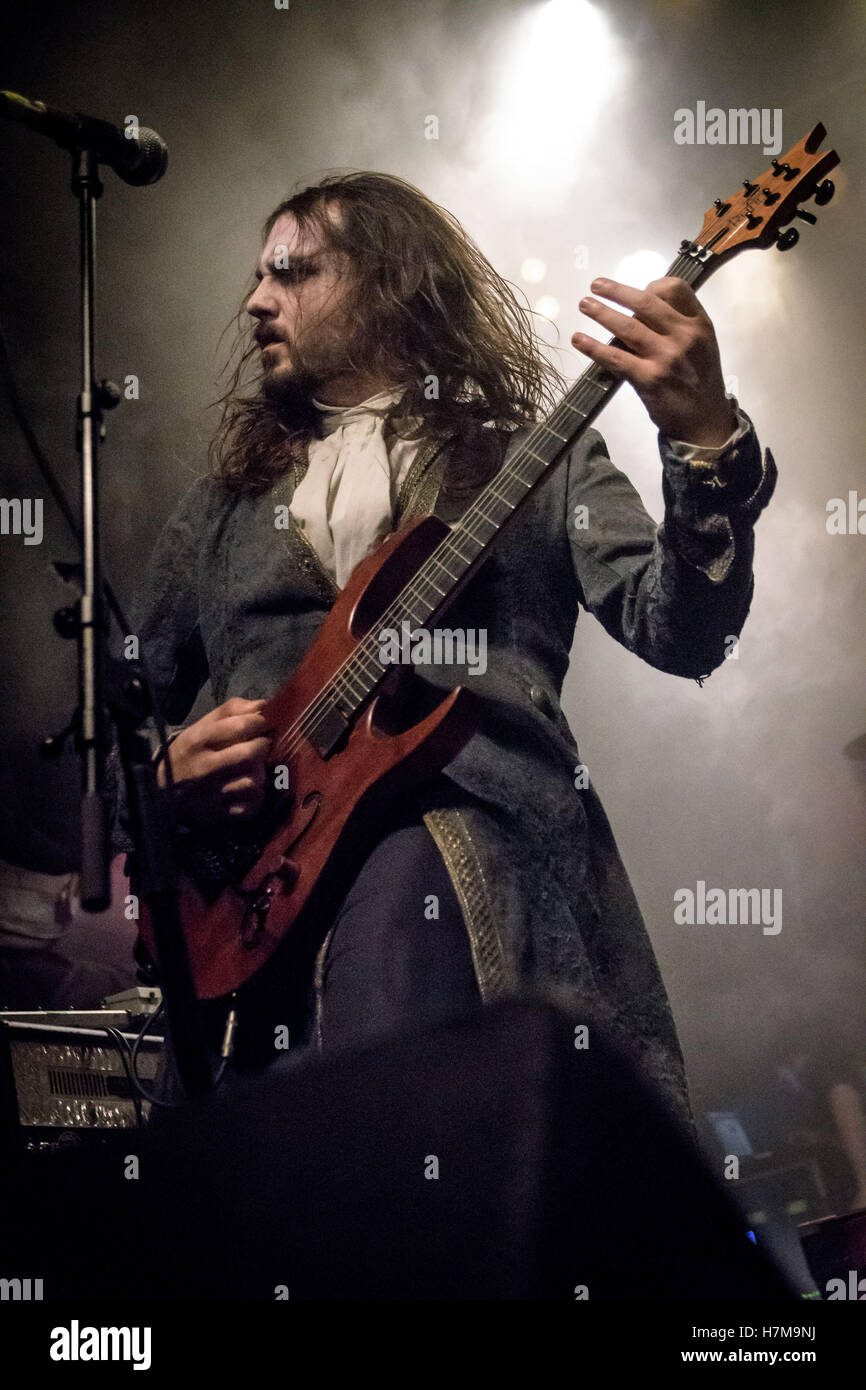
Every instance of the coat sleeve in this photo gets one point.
(675, 593)
(167, 610)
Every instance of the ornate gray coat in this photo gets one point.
(234, 598)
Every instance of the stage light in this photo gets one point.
(533, 270)
(563, 66)
(561, 22)
(547, 306)
(640, 268)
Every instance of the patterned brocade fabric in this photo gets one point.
(233, 600)
(711, 494)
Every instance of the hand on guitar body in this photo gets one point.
(672, 359)
(219, 763)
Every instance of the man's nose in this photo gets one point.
(261, 303)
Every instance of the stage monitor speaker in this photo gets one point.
(486, 1157)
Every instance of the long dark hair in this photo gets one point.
(424, 300)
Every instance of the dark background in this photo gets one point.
(741, 783)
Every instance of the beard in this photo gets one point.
(290, 390)
(290, 387)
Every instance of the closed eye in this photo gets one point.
(296, 273)
(292, 273)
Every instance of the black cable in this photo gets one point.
(123, 1048)
(136, 1079)
(137, 1082)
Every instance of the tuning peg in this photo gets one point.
(749, 188)
(824, 192)
(785, 240)
(806, 216)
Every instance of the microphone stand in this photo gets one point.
(129, 703)
(95, 851)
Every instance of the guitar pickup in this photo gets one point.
(330, 729)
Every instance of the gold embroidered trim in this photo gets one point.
(306, 553)
(416, 497)
(420, 487)
(765, 457)
(318, 987)
(457, 848)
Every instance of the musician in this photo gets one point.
(393, 370)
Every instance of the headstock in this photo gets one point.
(755, 215)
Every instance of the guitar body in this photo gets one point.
(332, 802)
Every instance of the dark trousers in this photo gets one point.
(397, 954)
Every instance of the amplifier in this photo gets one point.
(62, 1078)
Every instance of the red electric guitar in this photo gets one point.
(341, 720)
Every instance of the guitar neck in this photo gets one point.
(530, 464)
(442, 576)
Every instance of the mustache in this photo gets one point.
(263, 336)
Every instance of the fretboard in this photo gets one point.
(445, 572)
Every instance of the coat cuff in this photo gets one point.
(712, 495)
(691, 453)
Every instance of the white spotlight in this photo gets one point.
(565, 64)
(563, 22)
(547, 307)
(639, 268)
(533, 270)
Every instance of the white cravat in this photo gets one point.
(345, 501)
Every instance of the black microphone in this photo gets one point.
(137, 159)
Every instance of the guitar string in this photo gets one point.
(361, 654)
(579, 394)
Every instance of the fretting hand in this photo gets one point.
(673, 358)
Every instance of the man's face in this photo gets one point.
(299, 304)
